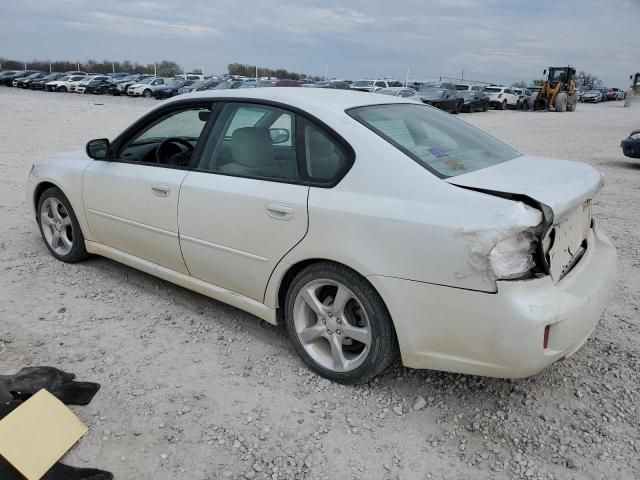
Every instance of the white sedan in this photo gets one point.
(368, 224)
(145, 87)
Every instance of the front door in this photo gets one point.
(131, 201)
(243, 209)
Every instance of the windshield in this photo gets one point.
(146, 80)
(224, 85)
(466, 94)
(443, 145)
(387, 91)
(363, 83)
(431, 92)
(462, 87)
(492, 89)
(594, 91)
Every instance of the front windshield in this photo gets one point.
(363, 83)
(175, 84)
(147, 80)
(431, 92)
(594, 91)
(387, 91)
(442, 144)
(224, 85)
(466, 94)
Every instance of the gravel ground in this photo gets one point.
(195, 389)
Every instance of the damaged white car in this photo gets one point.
(369, 225)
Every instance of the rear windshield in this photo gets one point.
(442, 144)
(492, 89)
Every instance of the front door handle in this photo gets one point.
(280, 211)
(161, 190)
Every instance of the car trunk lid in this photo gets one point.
(562, 189)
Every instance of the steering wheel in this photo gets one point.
(163, 145)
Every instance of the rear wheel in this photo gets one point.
(59, 227)
(338, 324)
(503, 105)
(485, 108)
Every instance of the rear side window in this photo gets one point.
(443, 145)
(324, 159)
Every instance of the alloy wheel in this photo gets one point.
(332, 325)
(56, 226)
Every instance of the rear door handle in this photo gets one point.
(280, 211)
(161, 190)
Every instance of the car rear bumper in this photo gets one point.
(501, 334)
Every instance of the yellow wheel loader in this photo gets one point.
(559, 90)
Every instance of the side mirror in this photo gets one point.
(98, 149)
(279, 135)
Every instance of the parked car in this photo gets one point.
(620, 95)
(474, 101)
(524, 98)
(501, 97)
(24, 82)
(492, 294)
(123, 85)
(117, 75)
(39, 83)
(278, 83)
(146, 86)
(7, 80)
(373, 85)
(336, 84)
(463, 87)
(604, 94)
(76, 73)
(401, 92)
(592, 96)
(631, 145)
(229, 85)
(442, 97)
(62, 84)
(79, 86)
(199, 85)
(97, 85)
(172, 88)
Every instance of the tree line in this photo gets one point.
(253, 70)
(164, 68)
(583, 79)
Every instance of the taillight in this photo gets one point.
(499, 95)
(545, 338)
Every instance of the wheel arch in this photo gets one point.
(39, 190)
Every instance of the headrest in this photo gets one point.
(252, 147)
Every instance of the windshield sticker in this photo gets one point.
(438, 152)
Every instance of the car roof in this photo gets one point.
(316, 101)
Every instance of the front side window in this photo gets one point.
(250, 140)
(381, 84)
(444, 146)
(169, 140)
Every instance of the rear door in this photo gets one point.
(244, 207)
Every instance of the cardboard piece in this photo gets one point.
(36, 434)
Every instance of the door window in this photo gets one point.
(250, 140)
(170, 140)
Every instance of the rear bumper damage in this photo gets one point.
(501, 334)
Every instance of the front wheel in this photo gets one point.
(147, 93)
(59, 227)
(338, 324)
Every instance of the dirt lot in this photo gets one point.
(194, 389)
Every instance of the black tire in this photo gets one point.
(147, 93)
(471, 108)
(78, 251)
(384, 346)
(503, 105)
(485, 108)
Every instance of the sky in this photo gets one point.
(499, 41)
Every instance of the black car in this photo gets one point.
(171, 89)
(24, 82)
(99, 86)
(474, 101)
(8, 79)
(631, 145)
(39, 83)
(443, 97)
